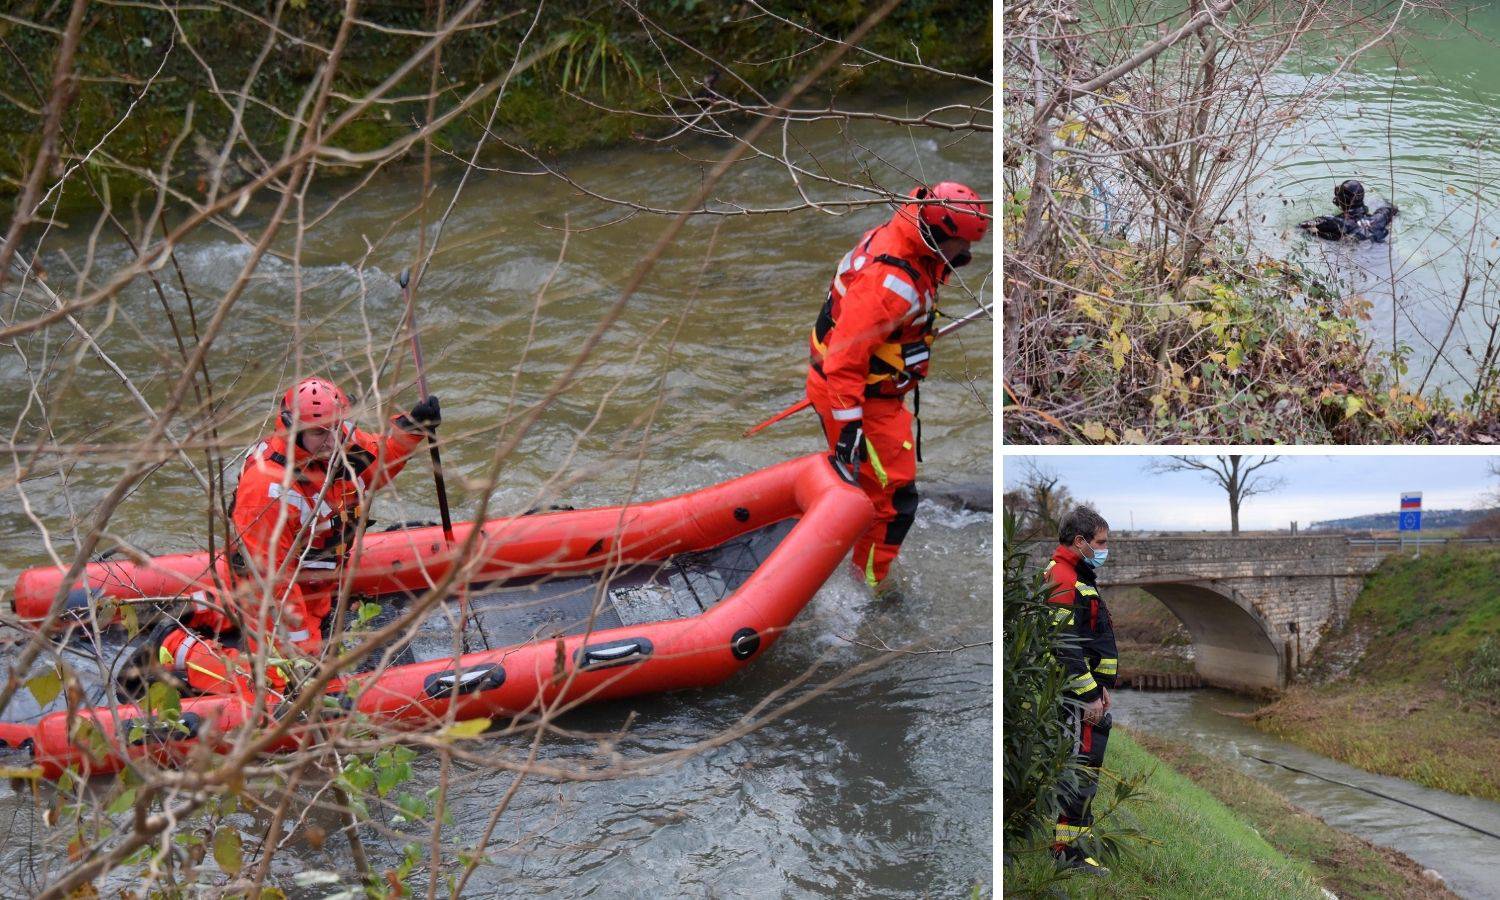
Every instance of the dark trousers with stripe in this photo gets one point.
(1076, 792)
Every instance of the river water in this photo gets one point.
(1414, 121)
(880, 787)
(1465, 858)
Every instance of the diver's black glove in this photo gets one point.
(425, 417)
(850, 449)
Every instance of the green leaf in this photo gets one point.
(120, 804)
(162, 699)
(227, 850)
(466, 729)
(45, 687)
(368, 611)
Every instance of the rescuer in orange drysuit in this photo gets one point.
(870, 347)
(297, 505)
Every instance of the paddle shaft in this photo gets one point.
(804, 403)
(432, 447)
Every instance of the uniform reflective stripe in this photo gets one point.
(870, 578)
(838, 278)
(1063, 615)
(875, 463)
(300, 635)
(1050, 564)
(1086, 590)
(1083, 683)
(179, 662)
(920, 356)
(905, 291)
(849, 415)
(200, 600)
(319, 564)
(320, 520)
(1108, 667)
(1069, 832)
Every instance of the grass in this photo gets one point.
(1208, 830)
(1193, 845)
(1349, 866)
(1420, 701)
(1150, 638)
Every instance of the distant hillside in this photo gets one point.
(1431, 519)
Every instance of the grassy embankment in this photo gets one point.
(1411, 685)
(599, 66)
(1211, 831)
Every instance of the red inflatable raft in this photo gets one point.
(565, 606)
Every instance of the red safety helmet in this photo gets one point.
(315, 402)
(961, 214)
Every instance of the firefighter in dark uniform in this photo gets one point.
(1092, 664)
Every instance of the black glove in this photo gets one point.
(850, 449)
(424, 417)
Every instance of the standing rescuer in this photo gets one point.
(297, 505)
(871, 346)
(1089, 658)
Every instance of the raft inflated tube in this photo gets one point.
(656, 656)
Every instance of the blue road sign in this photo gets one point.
(1411, 520)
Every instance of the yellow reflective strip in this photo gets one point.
(1066, 833)
(870, 578)
(1085, 590)
(906, 444)
(875, 463)
(1050, 564)
(1107, 666)
(222, 676)
(1063, 615)
(1083, 683)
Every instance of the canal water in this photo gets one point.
(880, 787)
(1465, 858)
(1413, 119)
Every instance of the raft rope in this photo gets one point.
(1381, 794)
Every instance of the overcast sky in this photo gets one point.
(1317, 488)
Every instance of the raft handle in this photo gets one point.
(468, 680)
(615, 653)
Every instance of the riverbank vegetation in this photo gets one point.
(1408, 685)
(1138, 310)
(155, 89)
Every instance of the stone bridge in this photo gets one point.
(1255, 607)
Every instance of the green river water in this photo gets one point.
(1414, 120)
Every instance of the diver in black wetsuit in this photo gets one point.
(1354, 219)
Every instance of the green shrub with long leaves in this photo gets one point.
(1037, 748)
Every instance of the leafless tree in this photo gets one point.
(1234, 473)
(1040, 502)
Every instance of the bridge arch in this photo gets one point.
(1233, 644)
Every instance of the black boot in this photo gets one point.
(1073, 859)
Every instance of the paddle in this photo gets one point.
(804, 403)
(416, 352)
